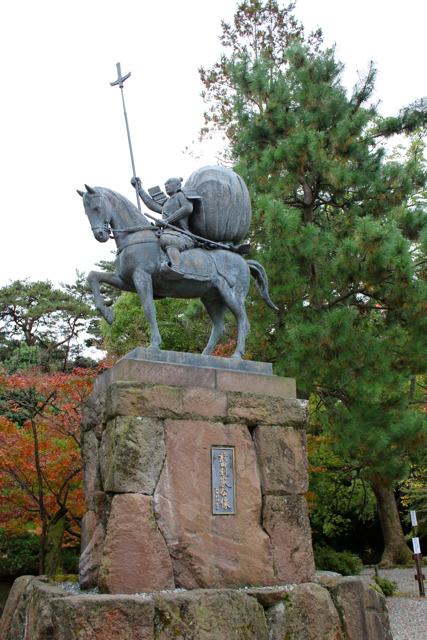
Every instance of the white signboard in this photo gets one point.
(413, 519)
(416, 545)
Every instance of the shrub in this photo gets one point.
(70, 559)
(19, 555)
(387, 587)
(343, 562)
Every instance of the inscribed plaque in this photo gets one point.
(223, 481)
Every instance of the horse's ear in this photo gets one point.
(90, 190)
(81, 193)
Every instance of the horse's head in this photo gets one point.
(98, 210)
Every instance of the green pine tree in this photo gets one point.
(344, 243)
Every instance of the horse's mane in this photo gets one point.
(136, 215)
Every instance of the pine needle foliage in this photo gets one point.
(259, 28)
(344, 242)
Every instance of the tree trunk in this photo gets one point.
(396, 551)
(53, 543)
(42, 546)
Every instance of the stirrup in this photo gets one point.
(169, 272)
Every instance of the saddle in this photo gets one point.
(195, 264)
(202, 265)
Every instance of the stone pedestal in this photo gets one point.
(334, 609)
(147, 438)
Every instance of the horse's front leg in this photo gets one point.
(144, 286)
(94, 279)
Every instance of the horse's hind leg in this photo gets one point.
(216, 309)
(94, 279)
(235, 301)
(144, 287)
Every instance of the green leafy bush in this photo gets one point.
(343, 562)
(70, 559)
(19, 555)
(386, 586)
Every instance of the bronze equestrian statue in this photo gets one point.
(194, 251)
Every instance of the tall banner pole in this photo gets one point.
(120, 80)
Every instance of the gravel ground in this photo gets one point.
(408, 611)
(73, 588)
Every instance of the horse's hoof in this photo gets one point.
(153, 347)
(109, 316)
(236, 356)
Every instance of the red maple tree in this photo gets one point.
(40, 463)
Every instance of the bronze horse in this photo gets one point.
(220, 278)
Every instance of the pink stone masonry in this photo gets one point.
(211, 551)
(135, 557)
(160, 532)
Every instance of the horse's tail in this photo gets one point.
(261, 281)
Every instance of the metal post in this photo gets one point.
(417, 556)
(120, 80)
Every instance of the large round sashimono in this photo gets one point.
(224, 214)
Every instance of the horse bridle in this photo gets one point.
(107, 227)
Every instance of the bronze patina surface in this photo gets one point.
(165, 260)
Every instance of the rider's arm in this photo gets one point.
(146, 199)
(183, 212)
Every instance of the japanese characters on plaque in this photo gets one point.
(223, 481)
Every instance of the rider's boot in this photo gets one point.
(171, 270)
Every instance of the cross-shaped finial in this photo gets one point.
(120, 80)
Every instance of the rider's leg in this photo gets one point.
(174, 256)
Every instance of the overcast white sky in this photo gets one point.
(62, 124)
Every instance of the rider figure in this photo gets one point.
(175, 210)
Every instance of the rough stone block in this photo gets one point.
(20, 614)
(254, 409)
(211, 551)
(268, 597)
(189, 376)
(363, 611)
(135, 558)
(41, 611)
(285, 519)
(308, 614)
(163, 401)
(90, 559)
(282, 459)
(102, 502)
(92, 414)
(37, 599)
(103, 618)
(89, 524)
(15, 595)
(208, 615)
(204, 403)
(197, 615)
(91, 470)
(249, 383)
(131, 455)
